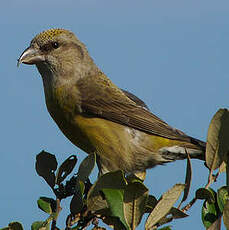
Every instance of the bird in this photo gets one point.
(96, 115)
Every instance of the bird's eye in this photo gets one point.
(55, 45)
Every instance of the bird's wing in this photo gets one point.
(103, 99)
(136, 99)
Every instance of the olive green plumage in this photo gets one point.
(96, 115)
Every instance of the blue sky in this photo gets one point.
(172, 54)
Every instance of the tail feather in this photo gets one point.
(196, 150)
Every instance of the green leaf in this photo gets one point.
(47, 205)
(164, 205)
(226, 214)
(206, 194)
(46, 164)
(40, 225)
(210, 211)
(222, 197)
(114, 198)
(81, 187)
(217, 140)
(65, 169)
(111, 180)
(13, 226)
(165, 228)
(86, 167)
(135, 200)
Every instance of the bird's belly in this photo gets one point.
(121, 147)
(110, 141)
(118, 146)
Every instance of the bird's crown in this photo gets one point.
(49, 34)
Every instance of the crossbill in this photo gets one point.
(96, 115)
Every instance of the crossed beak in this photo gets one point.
(30, 56)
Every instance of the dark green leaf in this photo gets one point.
(77, 204)
(209, 213)
(86, 167)
(210, 209)
(113, 222)
(114, 198)
(151, 203)
(188, 178)
(47, 205)
(206, 194)
(177, 213)
(46, 165)
(65, 169)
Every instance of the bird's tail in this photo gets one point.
(195, 148)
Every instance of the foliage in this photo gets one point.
(120, 200)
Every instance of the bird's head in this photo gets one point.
(56, 50)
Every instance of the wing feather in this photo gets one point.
(103, 99)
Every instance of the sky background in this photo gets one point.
(172, 54)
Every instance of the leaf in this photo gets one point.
(111, 180)
(216, 225)
(13, 226)
(151, 203)
(222, 197)
(165, 228)
(217, 140)
(222, 167)
(188, 178)
(40, 225)
(210, 209)
(86, 167)
(46, 165)
(135, 200)
(177, 213)
(113, 222)
(77, 203)
(114, 198)
(226, 214)
(164, 205)
(65, 169)
(206, 194)
(141, 175)
(47, 205)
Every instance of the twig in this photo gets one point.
(210, 179)
(189, 205)
(58, 209)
